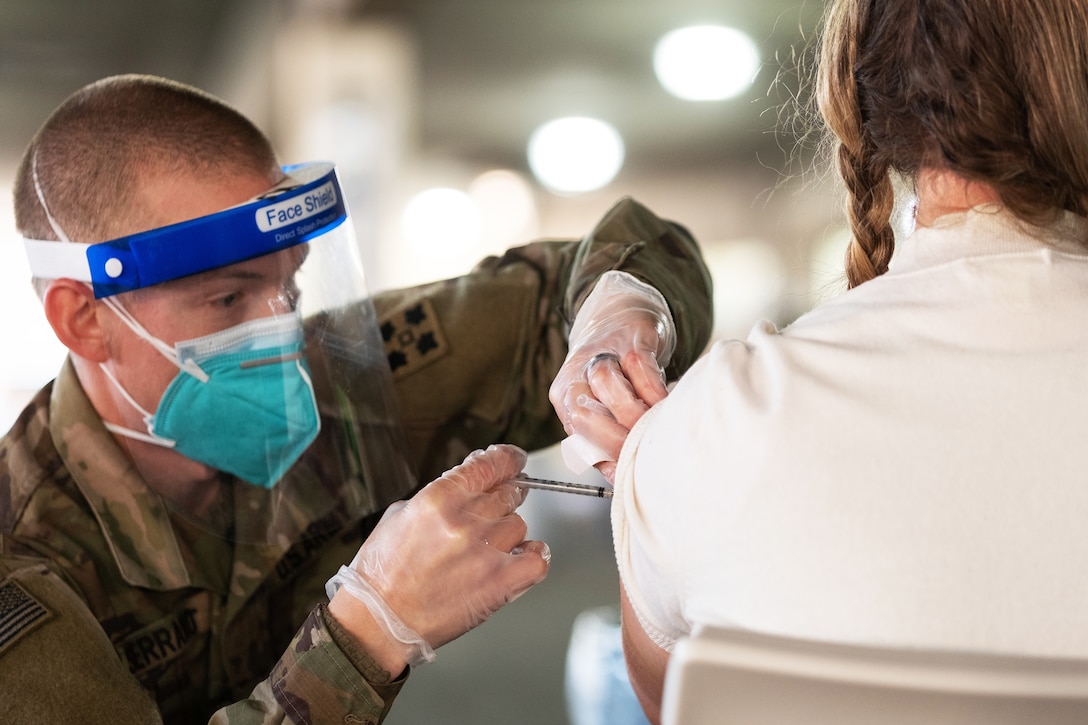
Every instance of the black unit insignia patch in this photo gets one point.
(413, 338)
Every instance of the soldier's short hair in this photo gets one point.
(89, 155)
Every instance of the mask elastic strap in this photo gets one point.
(41, 199)
(188, 366)
(148, 437)
(137, 435)
(166, 351)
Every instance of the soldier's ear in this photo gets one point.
(72, 312)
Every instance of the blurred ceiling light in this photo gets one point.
(575, 154)
(706, 62)
(441, 223)
(508, 212)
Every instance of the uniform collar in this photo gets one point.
(134, 520)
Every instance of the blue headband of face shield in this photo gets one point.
(308, 204)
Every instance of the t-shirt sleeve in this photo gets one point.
(682, 476)
(644, 549)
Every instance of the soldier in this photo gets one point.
(237, 413)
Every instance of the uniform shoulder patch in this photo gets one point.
(413, 338)
(19, 613)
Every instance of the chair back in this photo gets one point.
(730, 677)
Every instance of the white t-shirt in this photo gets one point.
(906, 464)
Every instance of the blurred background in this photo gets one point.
(462, 127)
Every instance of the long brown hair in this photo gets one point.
(993, 90)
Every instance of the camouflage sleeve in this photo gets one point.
(473, 357)
(55, 655)
(661, 253)
(323, 676)
(56, 663)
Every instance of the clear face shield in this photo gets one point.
(275, 388)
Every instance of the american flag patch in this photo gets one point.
(19, 612)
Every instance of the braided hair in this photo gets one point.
(995, 91)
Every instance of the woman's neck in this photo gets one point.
(942, 192)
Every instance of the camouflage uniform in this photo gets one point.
(107, 595)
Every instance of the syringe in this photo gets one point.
(562, 486)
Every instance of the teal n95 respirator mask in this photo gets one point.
(242, 401)
(293, 398)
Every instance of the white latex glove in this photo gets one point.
(619, 345)
(444, 561)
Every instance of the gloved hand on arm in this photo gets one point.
(440, 563)
(619, 346)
